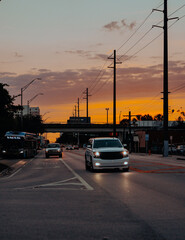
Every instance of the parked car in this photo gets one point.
(172, 149)
(69, 147)
(106, 153)
(53, 149)
(76, 147)
(181, 149)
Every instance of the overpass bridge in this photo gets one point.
(82, 128)
(82, 132)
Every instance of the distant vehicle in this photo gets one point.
(53, 149)
(172, 149)
(19, 144)
(69, 147)
(106, 153)
(76, 147)
(181, 149)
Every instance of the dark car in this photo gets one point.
(69, 147)
(53, 149)
(76, 147)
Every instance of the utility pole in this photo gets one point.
(165, 82)
(107, 109)
(87, 103)
(130, 132)
(114, 92)
(78, 108)
(75, 111)
(165, 78)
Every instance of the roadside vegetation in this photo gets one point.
(9, 121)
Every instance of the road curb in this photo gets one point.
(10, 168)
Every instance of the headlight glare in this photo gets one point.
(96, 154)
(125, 153)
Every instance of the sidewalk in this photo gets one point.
(176, 159)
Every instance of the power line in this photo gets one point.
(128, 58)
(135, 31)
(102, 73)
(135, 44)
(99, 77)
(138, 28)
(147, 34)
(177, 10)
(178, 89)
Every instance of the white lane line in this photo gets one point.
(43, 168)
(88, 187)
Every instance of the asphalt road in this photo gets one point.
(56, 198)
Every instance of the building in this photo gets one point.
(34, 111)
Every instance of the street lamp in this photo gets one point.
(25, 87)
(22, 90)
(107, 109)
(28, 102)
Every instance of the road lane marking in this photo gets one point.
(66, 184)
(45, 168)
(88, 187)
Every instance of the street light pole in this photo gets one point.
(29, 101)
(22, 90)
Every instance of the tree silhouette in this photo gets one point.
(8, 122)
(158, 117)
(146, 117)
(7, 110)
(124, 122)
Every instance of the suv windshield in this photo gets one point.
(107, 143)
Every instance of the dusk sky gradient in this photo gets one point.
(67, 42)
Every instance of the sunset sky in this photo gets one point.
(67, 43)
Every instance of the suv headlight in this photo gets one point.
(96, 154)
(125, 153)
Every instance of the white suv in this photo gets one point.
(107, 153)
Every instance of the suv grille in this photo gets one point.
(111, 155)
